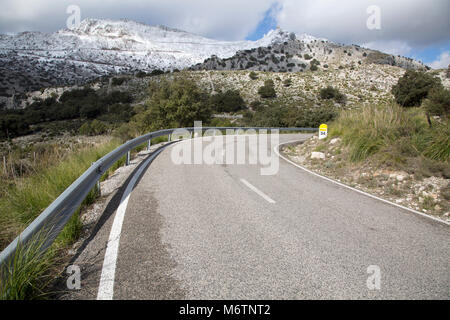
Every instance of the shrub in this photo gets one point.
(173, 104)
(287, 82)
(413, 87)
(328, 92)
(307, 56)
(332, 93)
(117, 81)
(156, 72)
(267, 90)
(314, 65)
(93, 128)
(253, 75)
(438, 102)
(141, 74)
(229, 101)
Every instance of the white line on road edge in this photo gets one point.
(255, 189)
(106, 286)
(276, 149)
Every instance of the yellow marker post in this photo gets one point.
(323, 131)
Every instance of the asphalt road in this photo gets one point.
(228, 232)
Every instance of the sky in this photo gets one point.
(414, 28)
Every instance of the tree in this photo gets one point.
(438, 102)
(229, 101)
(173, 104)
(267, 90)
(413, 87)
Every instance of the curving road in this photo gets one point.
(227, 232)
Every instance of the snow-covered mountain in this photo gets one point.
(34, 60)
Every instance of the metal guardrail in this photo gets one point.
(53, 219)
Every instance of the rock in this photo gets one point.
(392, 176)
(335, 140)
(400, 178)
(317, 155)
(420, 200)
(447, 214)
(437, 207)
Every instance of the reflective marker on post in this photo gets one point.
(323, 131)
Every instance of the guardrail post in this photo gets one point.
(128, 158)
(149, 144)
(170, 137)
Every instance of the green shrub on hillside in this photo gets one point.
(413, 87)
(287, 82)
(438, 102)
(267, 90)
(93, 128)
(173, 104)
(229, 101)
(117, 81)
(253, 75)
(332, 93)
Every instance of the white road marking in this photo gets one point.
(256, 190)
(276, 149)
(106, 286)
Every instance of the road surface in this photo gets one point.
(227, 232)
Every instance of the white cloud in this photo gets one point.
(406, 25)
(231, 19)
(416, 22)
(394, 47)
(443, 61)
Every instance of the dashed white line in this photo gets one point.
(256, 190)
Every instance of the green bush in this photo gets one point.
(117, 81)
(329, 93)
(287, 82)
(93, 128)
(413, 87)
(267, 90)
(229, 101)
(173, 104)
(438, 102)
(253, 75)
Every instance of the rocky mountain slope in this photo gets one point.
(297, 55)
(31, 61)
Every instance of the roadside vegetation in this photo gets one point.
(25, 197)
(398, 150)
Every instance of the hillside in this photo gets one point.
(31, 61)
(304, 53)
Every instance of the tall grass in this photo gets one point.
(393, 130)
(25, 200)
(27, 276)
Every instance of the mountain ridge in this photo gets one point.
(30, 61)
